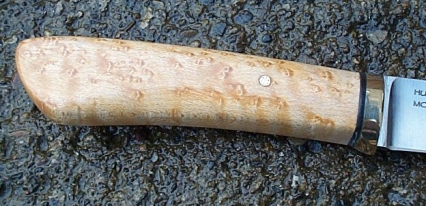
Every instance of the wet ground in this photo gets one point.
(42, 163)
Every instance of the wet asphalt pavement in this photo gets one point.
(42, 163)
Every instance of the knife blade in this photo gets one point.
(405, 115)
(99, 81)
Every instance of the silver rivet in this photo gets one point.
(265, 80)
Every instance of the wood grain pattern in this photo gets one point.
(92, 81)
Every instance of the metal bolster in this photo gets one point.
(372, 118)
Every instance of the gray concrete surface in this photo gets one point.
(42, 163)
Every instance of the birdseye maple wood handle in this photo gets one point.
(95, 81)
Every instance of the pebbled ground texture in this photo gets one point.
(42, 163)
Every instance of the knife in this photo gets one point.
(99, 81)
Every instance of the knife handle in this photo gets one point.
(95, 81)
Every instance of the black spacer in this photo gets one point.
(361, 108)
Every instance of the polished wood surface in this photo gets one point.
(94, 81)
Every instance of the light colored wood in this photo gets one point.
(92, 81)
